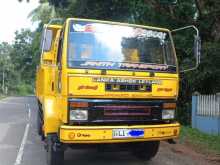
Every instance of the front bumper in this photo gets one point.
(103, 134)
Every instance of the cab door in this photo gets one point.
(48, 65)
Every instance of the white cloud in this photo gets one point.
(13, 16)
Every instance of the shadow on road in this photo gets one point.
(90, 157)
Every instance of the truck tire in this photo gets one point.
(55, 153)
(145, 150)
(39, 125)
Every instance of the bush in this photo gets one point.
(24, 89)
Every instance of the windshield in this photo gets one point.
(105, 45)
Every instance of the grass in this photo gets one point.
(199, 140)
(2, 96)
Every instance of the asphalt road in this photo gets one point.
(20, 144)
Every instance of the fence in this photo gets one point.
(206, 113)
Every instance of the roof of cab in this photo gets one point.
(53, 26)
(119, 23)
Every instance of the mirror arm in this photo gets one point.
(197, 35)
(187, 70)
(187, 27)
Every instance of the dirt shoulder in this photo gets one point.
(187, 150)
(200, 147)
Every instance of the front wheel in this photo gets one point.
(55, 153)
(40, 124)
(145, 150)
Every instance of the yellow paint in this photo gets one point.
(51, 117)
(167, 75)
(142, 74)
(94, 71)
(75, 81)
(119, 73)
(103, 134)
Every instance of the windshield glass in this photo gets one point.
(105, 45)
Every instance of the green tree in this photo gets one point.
(6, 68)
(43, 13)
(24, 56)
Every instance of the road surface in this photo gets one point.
(20, 144)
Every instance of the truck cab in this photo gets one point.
(106, 83)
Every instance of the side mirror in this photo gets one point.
(46, 46)
(196, 46)
(47, 40)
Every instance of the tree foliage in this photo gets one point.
(43, 13)
(18, 62)
(6, 67)
(205, 14)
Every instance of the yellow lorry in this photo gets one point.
(103, 83)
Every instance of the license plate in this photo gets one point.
(127, 133)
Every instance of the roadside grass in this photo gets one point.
(2, 96)
(24, 89)
(202, 142)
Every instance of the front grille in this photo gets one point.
(126, 112)
(123, 112)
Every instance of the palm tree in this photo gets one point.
(43, 13)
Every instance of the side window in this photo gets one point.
(46, 40)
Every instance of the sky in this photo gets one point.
(13, 16)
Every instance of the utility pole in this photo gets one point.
(3, 81)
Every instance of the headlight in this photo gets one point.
(78, 115)
(168, 114)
